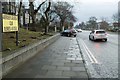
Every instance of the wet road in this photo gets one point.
(101, 57)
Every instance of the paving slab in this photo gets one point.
(69, 73)
(48, 67)
(78, 69)
(62, 68)
(54, 73)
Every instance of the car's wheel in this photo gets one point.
(74, 35)
(105, 40)
(93, 38)
(68, 35)
(89, 38)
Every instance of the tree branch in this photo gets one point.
(20, 7)
(35, 12)
(48, 8)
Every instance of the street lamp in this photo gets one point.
(0, 26)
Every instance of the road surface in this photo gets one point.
(101, 57)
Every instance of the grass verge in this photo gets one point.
(26, 37)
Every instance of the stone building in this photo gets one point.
(9, 7)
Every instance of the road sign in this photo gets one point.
(10, 23)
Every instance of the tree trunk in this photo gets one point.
(61, 25)
(62, 28)
(19, 14)
(33, 16)
(46, 30)
(55, 28)
(47, 23)
(33, 27)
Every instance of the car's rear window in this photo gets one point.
(67, 31)
(99, 32)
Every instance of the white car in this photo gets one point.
(98, 34)
(79, 30)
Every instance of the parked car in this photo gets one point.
(79, 30)
(69, 33)
(98, 34)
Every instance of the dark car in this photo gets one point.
(69, 33)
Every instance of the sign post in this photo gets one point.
(1, 26)
(16, 38)
(10, 24)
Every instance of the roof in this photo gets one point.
(99, 30)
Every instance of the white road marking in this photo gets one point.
(89, 53)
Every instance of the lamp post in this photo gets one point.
(119, 13)
(0, 26)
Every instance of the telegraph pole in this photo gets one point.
(119, 14)
(1, 24)
(0, 40)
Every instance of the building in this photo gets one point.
(104, 25)
(9, 7)
(27, 18)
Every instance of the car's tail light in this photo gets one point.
(96, 34)
(105, 33)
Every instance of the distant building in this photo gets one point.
(103, 25)
(5, 7)
(28, 18)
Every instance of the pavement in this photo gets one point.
(62, 59)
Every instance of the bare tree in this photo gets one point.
(104, 19)
(115, 17)
(33, 11)
(64, 11)
(19, 12)
(92, 23)
(82, 25)
(46, 18)
(104, 25)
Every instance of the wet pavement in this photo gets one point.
(62, 59)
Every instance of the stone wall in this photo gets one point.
(14, 60)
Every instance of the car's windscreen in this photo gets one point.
(73, 30)
(100, 32)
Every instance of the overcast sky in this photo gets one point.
(83, 9)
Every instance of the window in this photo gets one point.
(99, 32)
